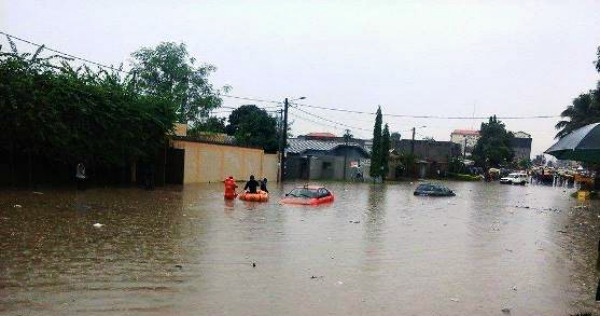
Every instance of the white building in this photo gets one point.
(466, 138)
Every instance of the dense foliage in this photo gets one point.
(376, 170)
(385, 150)
(167, 71)
(493, 149)
(254, 127)
(209, 125)
(67, 115)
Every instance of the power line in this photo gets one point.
(64, 54)
(250, 99)
(432, 116)
(299, 104)
(328, 120)
(295, 115)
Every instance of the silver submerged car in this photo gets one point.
(433, 189)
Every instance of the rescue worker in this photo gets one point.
(263, 185)
(251, 185)
(230, 187)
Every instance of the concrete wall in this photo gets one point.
(211, 162)
(270, 164)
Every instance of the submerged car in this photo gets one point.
(308, 195)
(515, 178)
(433, 189)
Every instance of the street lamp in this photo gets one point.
(283, 142)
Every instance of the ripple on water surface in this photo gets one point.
(378, 249)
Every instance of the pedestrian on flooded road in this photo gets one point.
(230, 187)
(80, 176)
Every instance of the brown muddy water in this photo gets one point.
(377, 250)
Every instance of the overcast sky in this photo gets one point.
(419, 58)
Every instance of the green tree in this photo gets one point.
(63, 115)
(253, 126)
(493, 149)
(168, 71)
(584, 110)
(385, 150)
(209, 125)
(375, 169)
(524, 163)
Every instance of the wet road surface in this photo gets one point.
(377, 250)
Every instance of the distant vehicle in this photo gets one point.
(515, 178)
(308, 195)
(433, 189)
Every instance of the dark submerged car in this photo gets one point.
(433, 189)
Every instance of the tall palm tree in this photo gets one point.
(584, 110)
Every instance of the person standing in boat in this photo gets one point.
(251, 185)
(263, 185)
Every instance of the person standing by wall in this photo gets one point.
(80, 176)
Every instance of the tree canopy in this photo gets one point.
(385, 149)
(493, 149)
(167, 71)
(253, 126)
(65, 114)
(376, 155)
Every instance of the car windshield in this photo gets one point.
(303, 192)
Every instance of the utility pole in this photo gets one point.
(412, 142)
(347, 139)
(279, 175)
(283, 140)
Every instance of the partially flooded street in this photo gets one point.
(377, 250)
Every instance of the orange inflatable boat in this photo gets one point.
(259, 196)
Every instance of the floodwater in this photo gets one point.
(377, 250)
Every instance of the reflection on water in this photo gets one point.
(376, 250)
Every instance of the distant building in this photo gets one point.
(466, 138)
(432, 156)
(324, 157)
(521, 145)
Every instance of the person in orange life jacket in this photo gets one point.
(251, 185)
(230, 187)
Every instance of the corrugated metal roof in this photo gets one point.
(465, 132)
(320, 135)
(299, 146)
